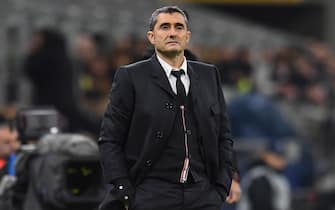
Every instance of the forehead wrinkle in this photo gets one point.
(174, 24)
(172, 17)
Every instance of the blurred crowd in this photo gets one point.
(305, 74)
(75, 79)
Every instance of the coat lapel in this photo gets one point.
(159, 76)
(196, 95)
(194, 84)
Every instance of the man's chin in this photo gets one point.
(171, 53)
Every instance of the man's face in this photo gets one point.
(8, 142)
(170, 34)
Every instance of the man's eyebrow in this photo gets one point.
(164, 24)
(180, 24)
(167, 24)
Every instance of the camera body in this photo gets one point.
(64, 165)
(33, 123)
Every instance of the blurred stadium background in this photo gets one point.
(276, 59)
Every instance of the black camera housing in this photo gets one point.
(32, 123)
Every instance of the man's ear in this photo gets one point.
(150, 36)
(188, 36)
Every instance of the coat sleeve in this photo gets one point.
(115, 126)
(225, 144)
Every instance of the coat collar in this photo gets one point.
(194, 82)
(159, 76)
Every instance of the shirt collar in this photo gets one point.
(168, 68)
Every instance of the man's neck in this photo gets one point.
(174, 61)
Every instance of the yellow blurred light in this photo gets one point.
(75, 191)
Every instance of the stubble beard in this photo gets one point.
(171, 53)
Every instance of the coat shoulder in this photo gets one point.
(137, 65)
(137, 69)
(202, 65)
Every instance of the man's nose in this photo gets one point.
(172, 32)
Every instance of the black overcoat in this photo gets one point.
(140, 116)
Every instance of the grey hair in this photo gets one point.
(166, 9)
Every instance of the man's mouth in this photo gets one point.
(172, 42)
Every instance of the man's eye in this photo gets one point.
(164, 27)
(180, 27)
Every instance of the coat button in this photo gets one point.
(159, 134)
(148, 163)
(168, 105)
(188, 132)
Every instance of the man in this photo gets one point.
(165, 141)
(9, 144)
(235, 188)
